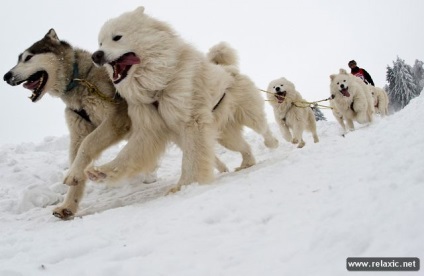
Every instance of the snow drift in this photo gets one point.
(297, 212)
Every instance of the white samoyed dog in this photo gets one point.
(290, 111)
(351, 100)
(381, 100)
(176, 94)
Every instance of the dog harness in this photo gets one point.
(71, 85)
(156, 103)
(218, 103)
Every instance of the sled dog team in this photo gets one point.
(169, 92)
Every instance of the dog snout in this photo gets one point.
(342, 86)
(98, 57)
(277, 89)
(8, 76)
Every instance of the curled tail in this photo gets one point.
(223, 54)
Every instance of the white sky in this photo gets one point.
(304, 41)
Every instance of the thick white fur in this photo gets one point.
(381, 100)
(359, 106)
(187, 86)
(292, 116)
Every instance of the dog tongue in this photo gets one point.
(129, 60)
(31, 85)
(345, 93)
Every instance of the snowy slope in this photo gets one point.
(297, 212)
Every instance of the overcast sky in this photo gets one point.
(304, 41)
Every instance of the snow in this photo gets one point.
(297, 212)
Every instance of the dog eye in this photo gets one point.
(117, 37)
(281, 85)
(28, 57)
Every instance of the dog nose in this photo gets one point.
(98, 57)
(7, 76)
(277, 89)
(342, 86)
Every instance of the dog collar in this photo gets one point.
(73, 83)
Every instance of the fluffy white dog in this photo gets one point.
(290, 111)
(381, 100)
(176, 94)
(351, 99)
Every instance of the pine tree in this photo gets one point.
(319, 116)
(402, 85)
(418, 74)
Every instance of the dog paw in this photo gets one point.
(94, 174)
(242, 167)
(271, 143)
(316, 140)
(301, 145)
(222, 168)
(150, 178)
(63, 213)
(174, 190)
(295, 141)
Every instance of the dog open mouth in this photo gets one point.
(36, 83)
(280, 96)
(345, 92)
(122, 65)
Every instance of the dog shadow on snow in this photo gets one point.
(100, 198)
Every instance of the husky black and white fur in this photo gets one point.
(96, 119)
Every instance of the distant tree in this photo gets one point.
(418, 74)
(319, 116)
(402, 85)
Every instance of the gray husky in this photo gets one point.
(96, 116)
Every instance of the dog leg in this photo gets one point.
(297, 134)
(135, 157)
(146, 143)
(151, 177)
(232, 139)
(70, 206)
(257, 121)
(341, 122)
(350, 124)
(99, 139)
(312, 127)
(220, 166)
(79, 129)
(197, 143)
(285, 131)
(315, 136)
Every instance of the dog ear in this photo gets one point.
(332, 77)
(343, 71)
(51, 34)
(140, 10)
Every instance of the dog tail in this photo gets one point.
(223, 54)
